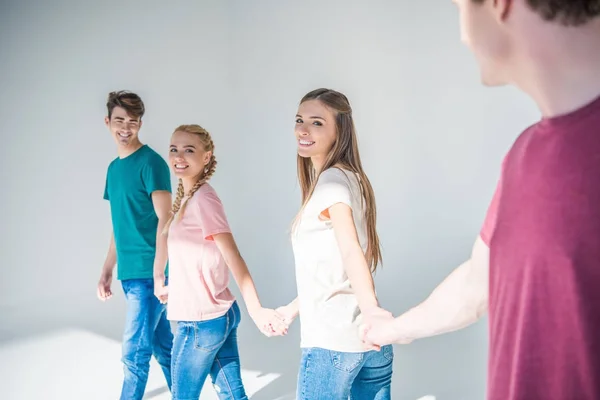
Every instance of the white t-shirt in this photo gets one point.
(329, 312)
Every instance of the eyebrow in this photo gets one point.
(313, 117)
(186, 146)
(123, 119)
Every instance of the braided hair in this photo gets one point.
(178, 208)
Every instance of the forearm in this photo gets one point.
(111, 257)
(161, 255)
(460, 300)
(245, 283)
(293, 308)
(360, 278)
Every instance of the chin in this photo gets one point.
(123, 142)
(304, 154)
(490, 79)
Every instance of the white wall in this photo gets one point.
(431, 139)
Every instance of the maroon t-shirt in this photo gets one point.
(543, 230)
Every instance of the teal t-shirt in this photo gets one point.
(130, 182)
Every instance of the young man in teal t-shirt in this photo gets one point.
(138, 188)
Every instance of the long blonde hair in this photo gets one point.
(178, 209)
(344, 153)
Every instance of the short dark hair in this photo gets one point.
(130, 102)
(566, 12)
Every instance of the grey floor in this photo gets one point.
(62, 349)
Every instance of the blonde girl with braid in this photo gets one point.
(336, 249)
(202, 251)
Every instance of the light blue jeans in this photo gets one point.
(333, 375)
(147, 333)
(208, 347)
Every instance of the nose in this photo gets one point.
(301, 130)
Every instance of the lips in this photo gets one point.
(305, 143)
(124, 135)
(180, 167)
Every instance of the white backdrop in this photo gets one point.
(431, 138)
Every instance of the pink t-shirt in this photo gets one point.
(198, 275)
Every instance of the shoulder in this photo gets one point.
(112, 166)
(152, 157)
(337, 179)
(206, 194)
(152, 162)
(335, 176)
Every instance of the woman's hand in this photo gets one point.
(269, 322)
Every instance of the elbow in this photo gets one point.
(350, 255)
(233, 259)
(481, 308)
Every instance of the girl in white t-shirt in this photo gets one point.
(336, 250)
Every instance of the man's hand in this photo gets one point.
(381, 332)
(103, 291)
(372, 316)
(161, 291)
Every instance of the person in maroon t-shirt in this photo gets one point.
(535, 266)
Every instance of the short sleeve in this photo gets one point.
(333, 187)
(489, 224)
(106, 195)
(212, 213)
(156, 175)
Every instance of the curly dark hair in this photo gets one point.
(566, 12)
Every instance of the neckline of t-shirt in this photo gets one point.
(134, 154)
(577, 115)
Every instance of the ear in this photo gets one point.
(207, 157)
(501, 9)
(106, 120)
(140, 124)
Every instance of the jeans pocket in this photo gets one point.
(388, 352)
(346, 362)
(210, 335)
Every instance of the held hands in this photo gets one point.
(372, 317)
(103, 291)
(380, 330)
(160, 290)
(374, 330)
(269, 322)
(287, 313)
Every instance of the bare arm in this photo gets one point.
(268, 321)
(353, 256)
(289, 311)
(460, 300)
(161, 200)
(239, 270)
(103, 291)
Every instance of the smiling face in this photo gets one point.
(123, 127)
(315, 130)
(187, 157)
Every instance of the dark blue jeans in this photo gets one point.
(208, 347)
(147, 333)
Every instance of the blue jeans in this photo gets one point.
(333, 375)
(208, 347)
(147, 333)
